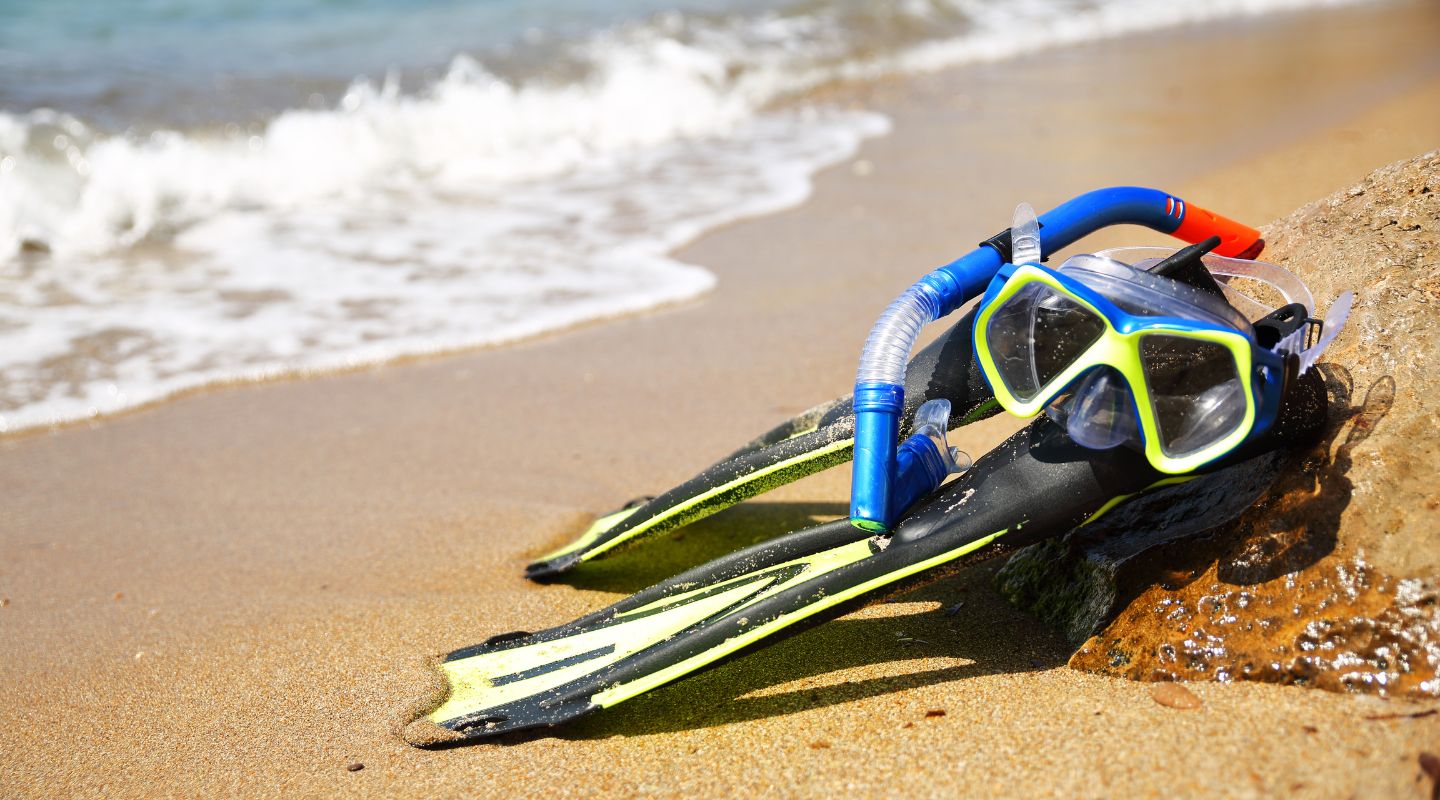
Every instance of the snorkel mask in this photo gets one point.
(1140, 346)
(1175, 426)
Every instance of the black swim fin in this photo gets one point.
(1035, 485)
(815, 440)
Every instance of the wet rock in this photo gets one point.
(1333, 626)
(1327, 573)
(1385, 401)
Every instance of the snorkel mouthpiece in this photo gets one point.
(925, 459)
(880, 385)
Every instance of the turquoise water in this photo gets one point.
(191, 62)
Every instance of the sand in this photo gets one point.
(234, 593)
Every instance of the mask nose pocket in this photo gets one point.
(1100, 414)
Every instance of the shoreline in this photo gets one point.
(235, 592)
(870, 83)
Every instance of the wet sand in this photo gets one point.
(234, 593)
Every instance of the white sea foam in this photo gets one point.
(476, 211)
(258, 292)
(1006, 30)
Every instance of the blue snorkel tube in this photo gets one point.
(887, 479)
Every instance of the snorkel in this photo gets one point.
(886, 479)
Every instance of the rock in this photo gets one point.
(1385, 400)
(1316, 567)
(1430, 765)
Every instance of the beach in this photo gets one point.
(236, 592)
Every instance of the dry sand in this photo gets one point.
(234, 593)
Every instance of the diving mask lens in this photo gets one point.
(1195, 390)
(1036, 334)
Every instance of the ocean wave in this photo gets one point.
(72, 193)
(66, 190)
(492, 204)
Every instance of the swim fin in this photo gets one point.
(527, 680)
(810, 442)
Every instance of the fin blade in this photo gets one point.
(521, 683)
(677, 628)
(715, 489)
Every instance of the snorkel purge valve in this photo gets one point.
(886, 478)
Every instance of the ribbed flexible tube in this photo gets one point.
(880, 390)
(887, 348)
